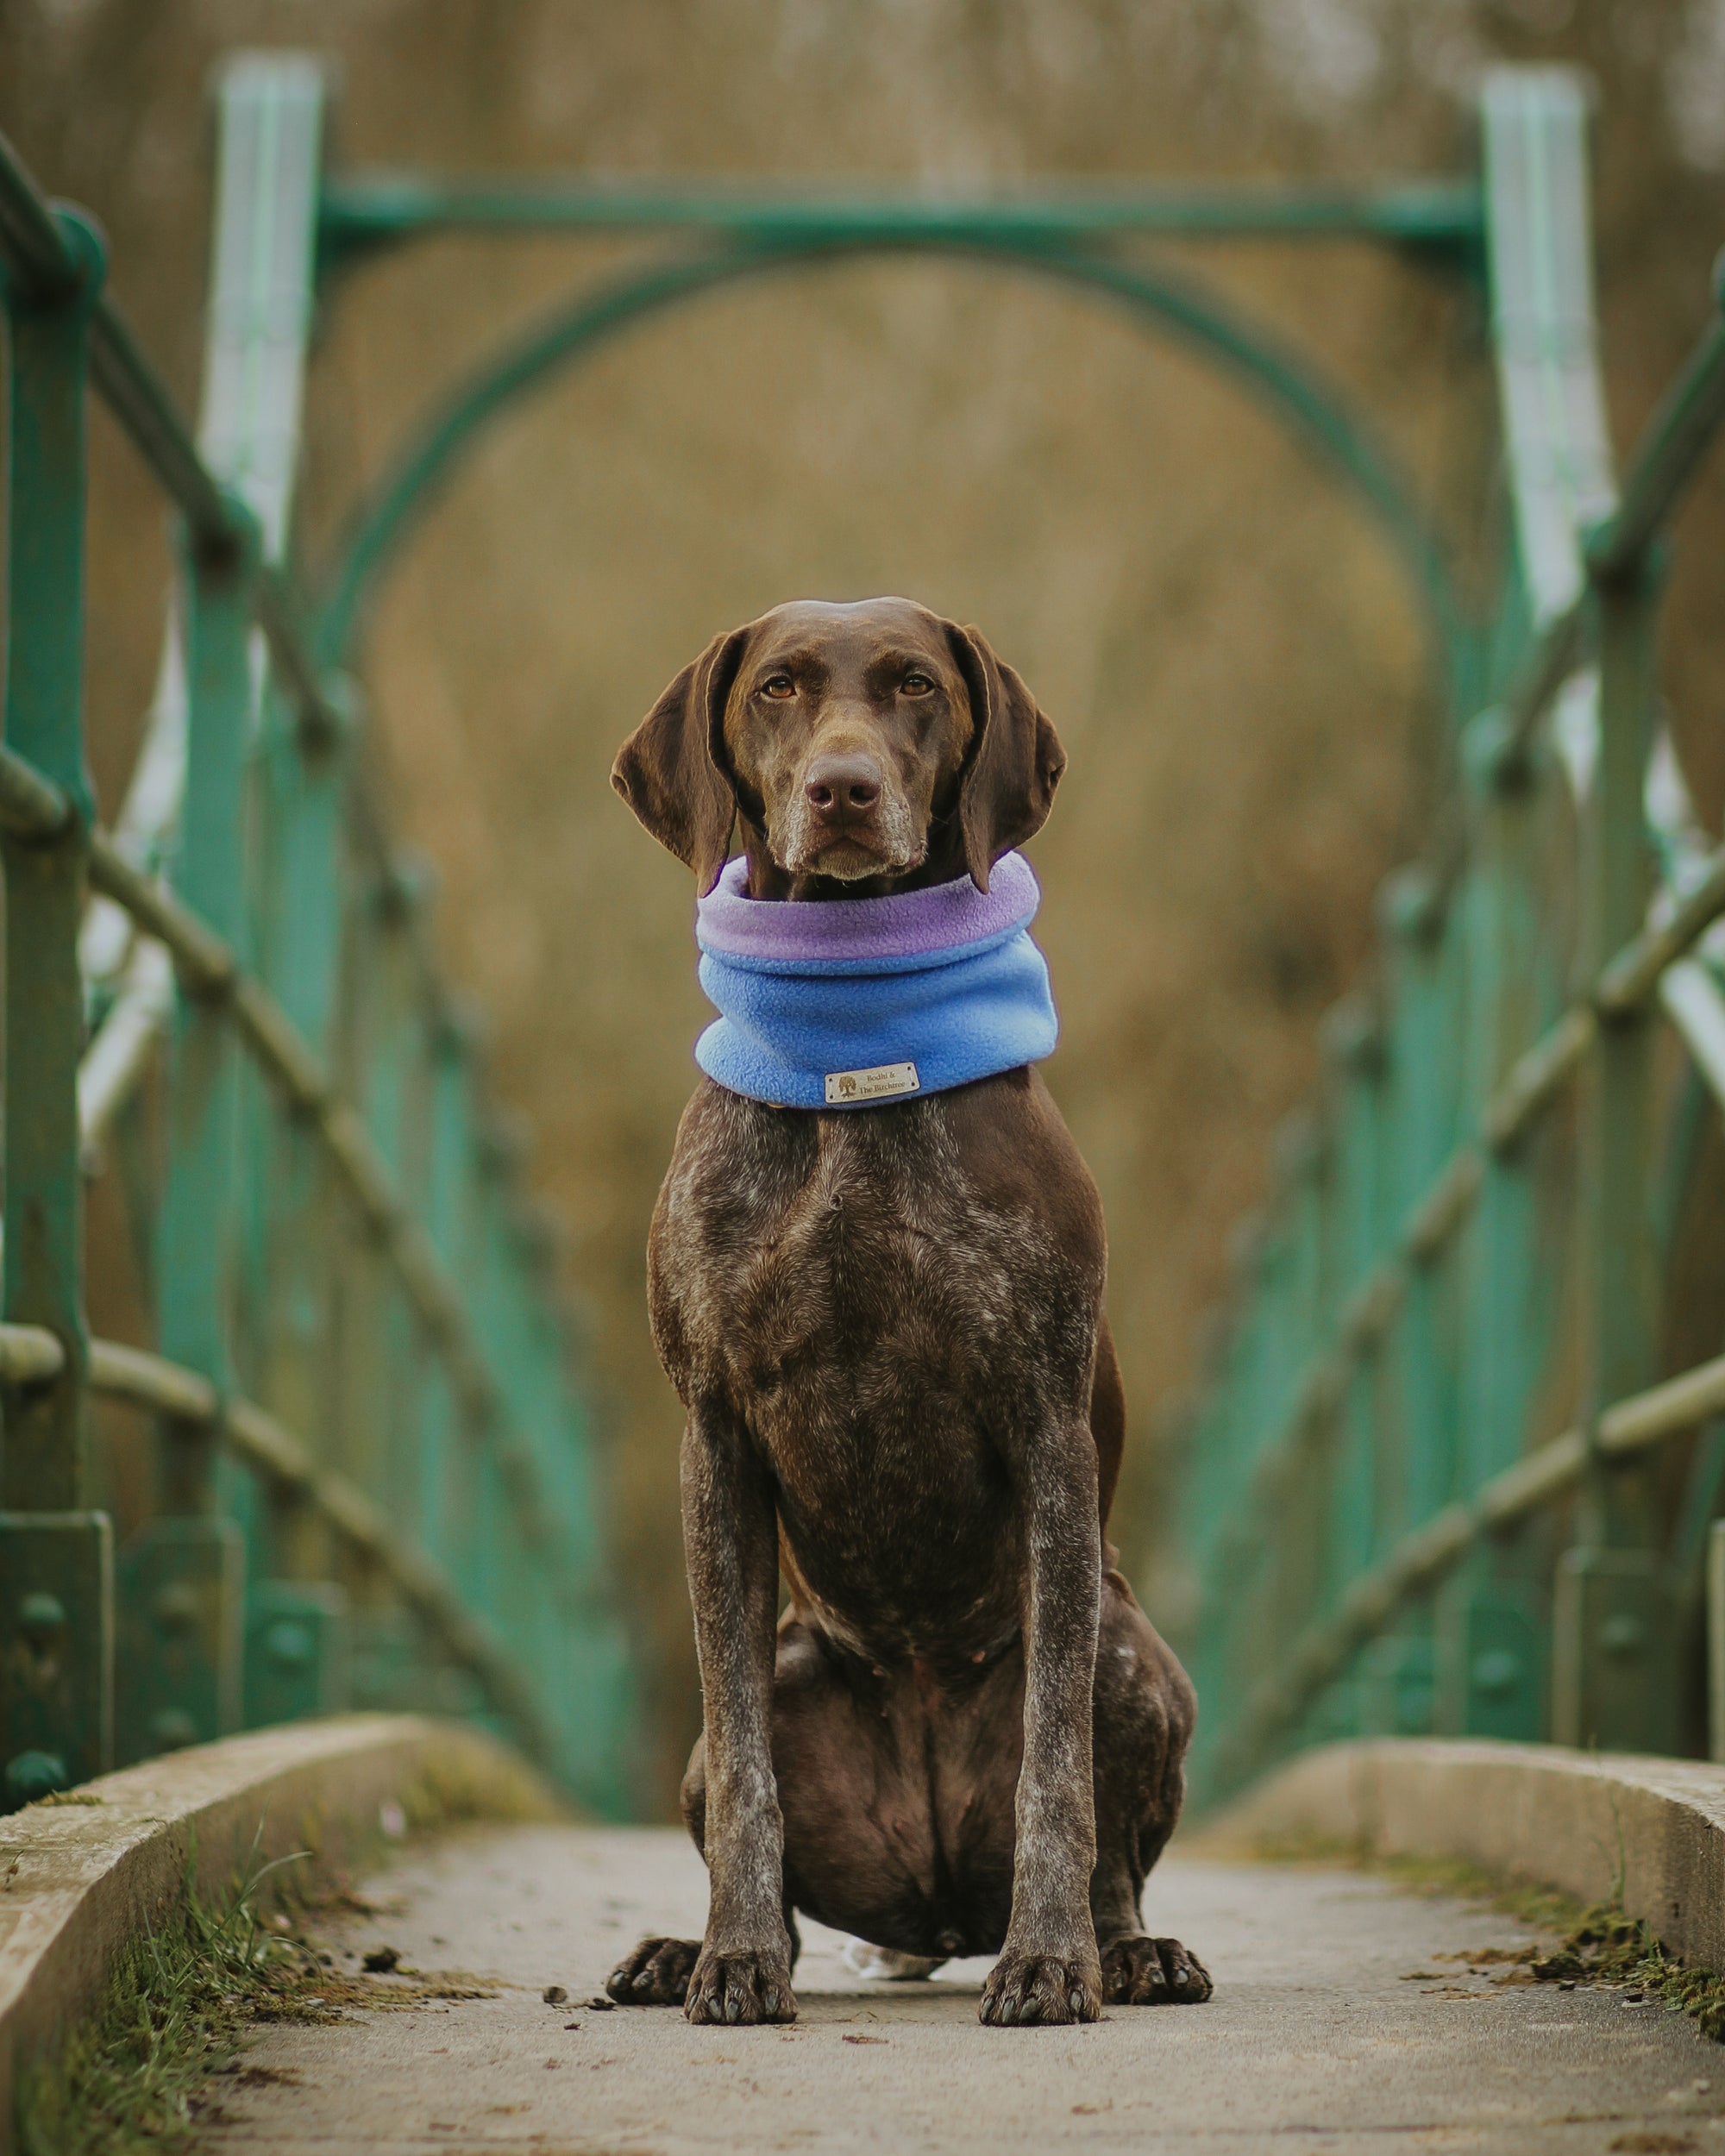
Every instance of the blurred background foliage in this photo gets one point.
(1230, 658)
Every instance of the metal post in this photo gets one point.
(1414, 926)
(395, 1110)
(513, 1566)
(560, 1450)
(388, 1356)
(270, 128)
(1492, 1662)
(183, 1578)
(1614, 1676)
(1391, 1681)
(441, 1436)
(296, 1623)
(1411, 924)
(299, 799)
(56, 1566)
(1321, 1246)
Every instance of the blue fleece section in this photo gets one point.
(958, 1015)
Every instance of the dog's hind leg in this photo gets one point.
(1144, 1711)
(657, 1972)
(654, 1973)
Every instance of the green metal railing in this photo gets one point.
(371, 1473)
(1431, 1486)
(1437, 1482)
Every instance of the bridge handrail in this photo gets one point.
(1668, 456)
(34, 251)
(1664, 464)
(1373, 1451)
(31, 1354)
(345, 1232)
(1533, 1083)
(34, 807)
(1420, 1559)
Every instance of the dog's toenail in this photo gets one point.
(1076, 2001)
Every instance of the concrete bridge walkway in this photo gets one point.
(1322, 2035)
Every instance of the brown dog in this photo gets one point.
(886, 1326)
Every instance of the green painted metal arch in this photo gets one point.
(1290, 389)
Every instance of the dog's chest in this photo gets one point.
(887, 1328)
(846, 1272)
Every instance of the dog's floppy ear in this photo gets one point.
(672, 770)
(1014, 762)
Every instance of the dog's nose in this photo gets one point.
(840, 787)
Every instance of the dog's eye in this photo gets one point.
(779, 687)
(916, 684)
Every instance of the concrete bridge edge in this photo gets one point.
(82, 1876)
(1648, 1833)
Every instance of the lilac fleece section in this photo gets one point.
(850, 931)
(947, 980)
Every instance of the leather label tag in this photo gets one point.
(845, 1087)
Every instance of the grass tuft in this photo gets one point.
(137, 2076)
(176, 2002)
(1608, 1947)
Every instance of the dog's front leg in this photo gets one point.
(730, 1533)
(1049, 1970)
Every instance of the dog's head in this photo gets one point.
(864, 747)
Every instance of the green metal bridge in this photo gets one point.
(1436, 1483)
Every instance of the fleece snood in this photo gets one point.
(847, 1002)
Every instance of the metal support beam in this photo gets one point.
(268, 821)
(184, 1579)
(45, 1433)
(1294, 392)
(56, 1571)
(364, 211)
(1612, 1614)
(1492, 1662)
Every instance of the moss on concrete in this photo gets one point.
(140, 2073)
(146, 2067)
(1608, 1948)
(176, 2002)
(1599, 1945)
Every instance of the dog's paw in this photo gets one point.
(655, 1974)
(741, 1988)
(1153, 1972)
(1028, 1990)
